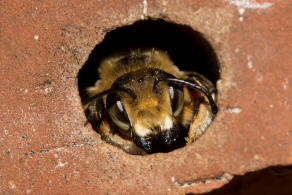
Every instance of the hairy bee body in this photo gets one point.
(143, 103)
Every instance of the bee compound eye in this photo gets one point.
(117, 112)
(176, 99)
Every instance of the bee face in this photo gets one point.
(150, 116)
(147, 108)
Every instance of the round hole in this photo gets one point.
(187, 49)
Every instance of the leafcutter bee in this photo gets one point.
(144, 104)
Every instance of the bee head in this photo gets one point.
(146, 110)
(145, 105)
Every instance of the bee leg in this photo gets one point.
(202, 81)
(200, 122)
(94, 112)
(204, 115)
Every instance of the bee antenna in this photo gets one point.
(109, 91)
(213, 105)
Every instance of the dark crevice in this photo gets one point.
(269, 181)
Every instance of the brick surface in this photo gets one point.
(45, 147)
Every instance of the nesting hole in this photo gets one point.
(187, 48)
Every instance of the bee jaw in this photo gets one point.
(145, 143)
(160, 141)
(170, 136)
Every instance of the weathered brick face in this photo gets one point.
(45, 147)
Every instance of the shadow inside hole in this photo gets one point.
(188, 49)
(268, 181)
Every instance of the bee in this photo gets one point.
(144, 104)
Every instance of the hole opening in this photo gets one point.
(187, 48)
